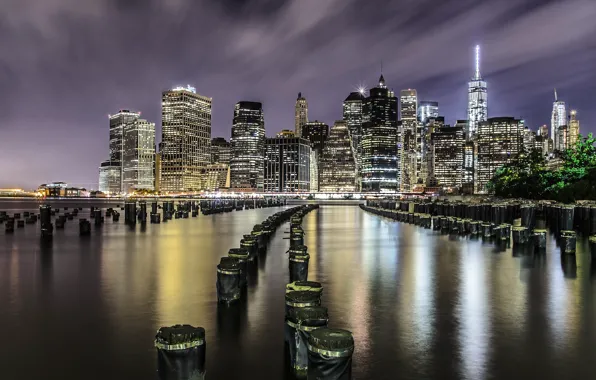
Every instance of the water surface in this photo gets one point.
(421, 305)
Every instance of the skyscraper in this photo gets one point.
(411, 133)
(477, 100)
(316, 132)
(499, 139)
(529, 138)
(186, 138)
(301, 114)
(468, 169)
(432, 124)
(573, 129)
(287, 164)
(448, 156)
(379, 140)
(138, 156)
(426, 110)
(118, 122)
(558, 119)
(221, 151)
(110, 177)
(248, 147)
(337, 163)
(352, 115)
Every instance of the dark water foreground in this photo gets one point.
(421, 305)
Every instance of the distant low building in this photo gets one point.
(61, 189)
(215, 177)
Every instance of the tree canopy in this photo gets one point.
(527, 175)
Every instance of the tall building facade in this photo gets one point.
(110, 177)
(468, 169)
(337, 163)
(221, 151)
(477, 100)
(573, 129)
(300, 114)
(248, 147)
(314, 170)
(448, 156)
(287, 164)
(118, 122)
(353, 116)
(186, 139)
(138, 156)
(427, 110)
(316, 132)
(499, 139)
(411, 134)
(380, 164)
(432, 124)
(558, 120)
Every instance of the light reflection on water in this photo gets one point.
(420, 304)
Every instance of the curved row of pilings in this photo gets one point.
(135, 212)
(524, 223)
(181, 349)
(313, 350)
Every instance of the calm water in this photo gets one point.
(421, 305)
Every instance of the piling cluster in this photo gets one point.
(232, 270)
(181, 349)
(209, 207)
(524, 223)
(134, 212)
(314, 351)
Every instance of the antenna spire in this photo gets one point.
(556, 98)
(477, 73)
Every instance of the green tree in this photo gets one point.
(526, 175)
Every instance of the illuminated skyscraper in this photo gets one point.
(477, 100)
(287, 164)
(499, 139)
(558, 119)
(118, 122)
(427, 110)
(411, 133)
(337, 164)
(316, 132)
(186, 139)
(248, 147)
(301, 114)
(138, 156)
(432, 124)
(573, 129)
(352, 115)
(448, 155)
(379, 140)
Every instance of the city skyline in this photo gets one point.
(71, 108)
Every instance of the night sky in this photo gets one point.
(66, 64)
